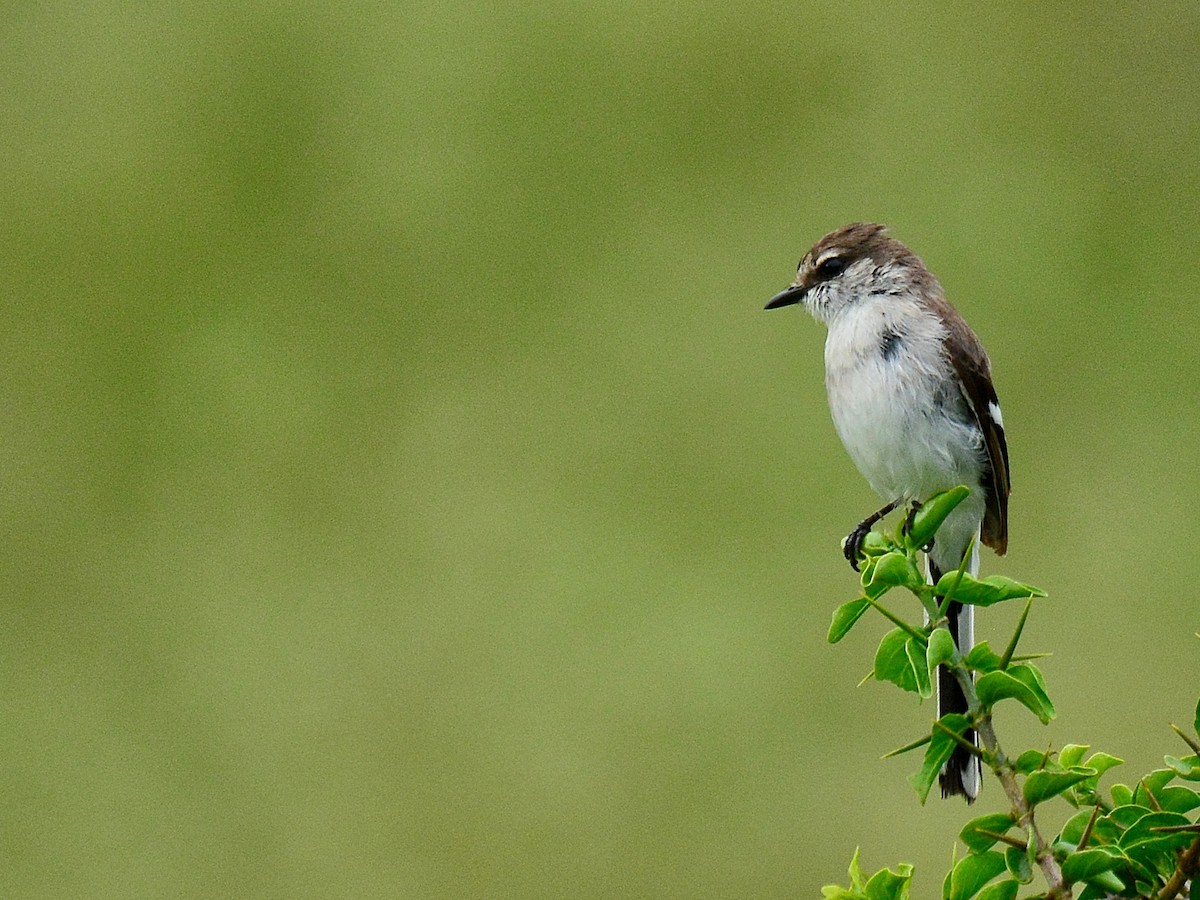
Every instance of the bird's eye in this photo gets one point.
(831, 267)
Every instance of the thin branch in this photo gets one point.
(1189, 865)
(1150, 794)
(1186, 739)
(959, 739)
(1046, 758)
(1003, 838)
(1175, 829)
(1007, 776)
(1012, 644)
(962, 568)
(900, 623)
(919, 742)
(1087, 832)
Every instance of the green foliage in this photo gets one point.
(925, 522)
(947, 734)
(891, 570)
(1187, 768)
(1022, 683)
(1121, 794)
(983, 591)
(1001, 890)
(982, 659)
(1019, 863)
(893, 660)
(1040, 786)
(883, 885)
(845, 616)
(941, 648)
(981, 834)
(1138, 844)
(971, 873)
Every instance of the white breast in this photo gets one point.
(900, 415)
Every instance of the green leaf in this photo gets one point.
(982, 659)
(1072, 754)
(888, 885)
(867, 572)
(1018, 865)
(1154, 781)
(1106, 831)
(941, 745)
(875, 544)
(1178, 798)
(1031, 855)
(1196, 724)
(1126, 816)
(1041, 786)
(996, 686)
(929, 518)
(985, 591)
(1001, 890)
(837, 892)
(1102, 762)
(892, 662)
(892, 570)
(1108, 883)
(1187, 768)
(883, 885)
(1142, 833)
(844, 618)
(973, 872)
(1031, 761)
(1073, 830)
(1155, 851)
(1031, 676)
(920, 667)
(1146, 791)
(1087, 864)
(941, 648)
(1121, 794)
(996, 823)
(857, 881)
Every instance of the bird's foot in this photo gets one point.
(852, 545)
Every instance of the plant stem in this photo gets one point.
(1022, 812)
(896, 620)
(1189, 864)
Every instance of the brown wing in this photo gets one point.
(974, 370)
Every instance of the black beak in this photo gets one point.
(786, 297)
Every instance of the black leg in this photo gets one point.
(854, 540)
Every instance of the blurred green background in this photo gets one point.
(406, 495)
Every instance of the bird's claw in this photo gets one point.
(852, 546)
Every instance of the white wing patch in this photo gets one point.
(994, 412)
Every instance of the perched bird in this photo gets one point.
(910, 391)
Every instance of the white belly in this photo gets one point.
(906, 425)
(902, 442)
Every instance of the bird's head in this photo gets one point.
(851, 265)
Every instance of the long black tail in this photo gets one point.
(962, 773)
